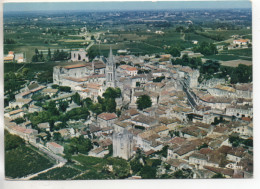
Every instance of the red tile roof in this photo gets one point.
(107, 116)
(74, 66)
(223, 171)
(15, 112)
(54, 144)
(246, 119)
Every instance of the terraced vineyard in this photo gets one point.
(23, 161)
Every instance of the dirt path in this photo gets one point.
(44, 171)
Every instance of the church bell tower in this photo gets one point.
(110, 71)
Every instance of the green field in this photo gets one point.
(243, 54)
(88, 168)
(228, 33)
(26, 41)
(34, 67)
(23, 161)
(96, 168)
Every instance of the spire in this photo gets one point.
(110, 52)
(110, 56)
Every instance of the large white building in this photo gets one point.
(123, 144)
(80, 55)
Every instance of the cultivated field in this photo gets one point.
(235, 63)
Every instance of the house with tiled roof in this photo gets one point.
(144, 121)
(23, 132)
(228, 173)
(162, 130)
(245, 131)
(177, 164)
(44, 126)
(171, 123)
(106, 119)
(180, 152)
(222, 90)
(19, 113)
(180, 112)
(241, 42)
(239, 110)
(54, 147)
(148, 140)
(124, 117)
(95, 130)
(132, 112)
(20, 103)
(244, 90)
(120, 126)
(193, 132)
(98, 152)
(236, 154)
(130, 70)
(49, 91)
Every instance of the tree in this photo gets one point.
(164, 151)
(92, 53)
(19, 120)
(206, 48)
(52, 108)
(25, 71)
(45, 77)
(110, 105)
(63, 105)
(55, 86)
(12, 141)
(65, 89)
(181, 174)
(80, 145)
(136, 166)
(36, 51)
(87, 102)
(218, 175)
(112, 93)
(76, 98)
(96, 108)
(49, 55)
(175, 52)
(148, 172)
(143, 101)
(57, 136)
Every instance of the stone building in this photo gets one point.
(239, 110)
(56, 148)
(106, 119)
(189, 76)
(72, 71)
(80, 55)
(123, 144)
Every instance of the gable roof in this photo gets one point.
(107, 116)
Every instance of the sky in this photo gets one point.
(80, 6)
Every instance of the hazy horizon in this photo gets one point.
(123, 6)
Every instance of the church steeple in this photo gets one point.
(110, 71)
(110, 57)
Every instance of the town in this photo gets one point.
(117, 114)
